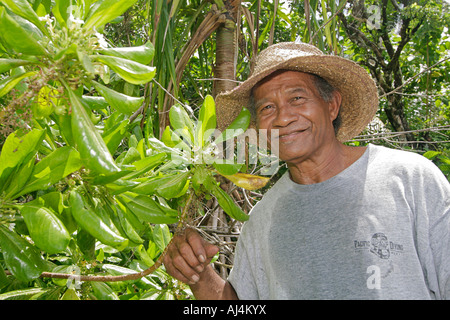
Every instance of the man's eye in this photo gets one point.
(265, 108)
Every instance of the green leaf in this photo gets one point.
(161, 236)
(8, 64)
(114, 135)
(93, 150)
(227, 204)
(23, 294)
(181, 123)
(106, 10)
(18, 38)
(206, 121)
(20, 177)
(95, 103)
(16, 149)
(51, 169)
(7, 84)
(119, 101)
(174, 187)
(142, 54)
(147, 209)
(131, 71)
(46, 230)
(60, 11)
(24, 9)
(88, 220)
(70, 294)
(103, 292)
(22, 259)
(237, 127)
(128, 229)
(227, 169)
(146, 164)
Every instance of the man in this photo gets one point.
(343, 222)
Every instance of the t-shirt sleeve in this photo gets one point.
(433, 205)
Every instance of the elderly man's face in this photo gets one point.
(290, 102)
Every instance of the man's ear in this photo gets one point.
(334, 105)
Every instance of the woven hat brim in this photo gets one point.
(358, 90)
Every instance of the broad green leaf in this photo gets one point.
(150, 186)
(9, 83)
(22, 259)
(60, 11)
(237, 127)
(174, 187)
(146, 164)
(46, 230)
(114, 135)
(127, 227)
(16, 149)
(103, 292)
(94, 102)
(24, 9)
(227, 169)
(142, 54)
(179, 120)
(227, 204)
(131, 71)
(161, 236)
(206, 121)
(147, 209)
(8, 64)
(23, 294)
(106, 10)
(51, 169)
(119, 101)
(18, 38)
(70, 294)
(89, 219)
(93, 150)
(118, 270)
(166, 137)
(19, 178)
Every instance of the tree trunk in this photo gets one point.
(225, 66)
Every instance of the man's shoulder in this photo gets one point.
(395, 157)
(404, 163)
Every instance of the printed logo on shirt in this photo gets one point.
(379, 245)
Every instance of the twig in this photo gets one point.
(412, 78)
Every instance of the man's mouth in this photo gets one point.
(289, 136)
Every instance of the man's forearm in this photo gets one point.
(212, 287)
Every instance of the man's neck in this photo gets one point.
(325, 164)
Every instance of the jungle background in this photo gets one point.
(192, 50)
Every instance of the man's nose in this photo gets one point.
(284, 116)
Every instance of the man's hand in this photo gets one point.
(188, 255)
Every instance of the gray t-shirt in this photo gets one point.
(380, 229)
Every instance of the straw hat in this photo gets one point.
(358, 90)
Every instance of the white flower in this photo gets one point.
(101, 40)
(75, 20)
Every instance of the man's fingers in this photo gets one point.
(188, 255)
(187, 252)
(197, 244)
(211, 250)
